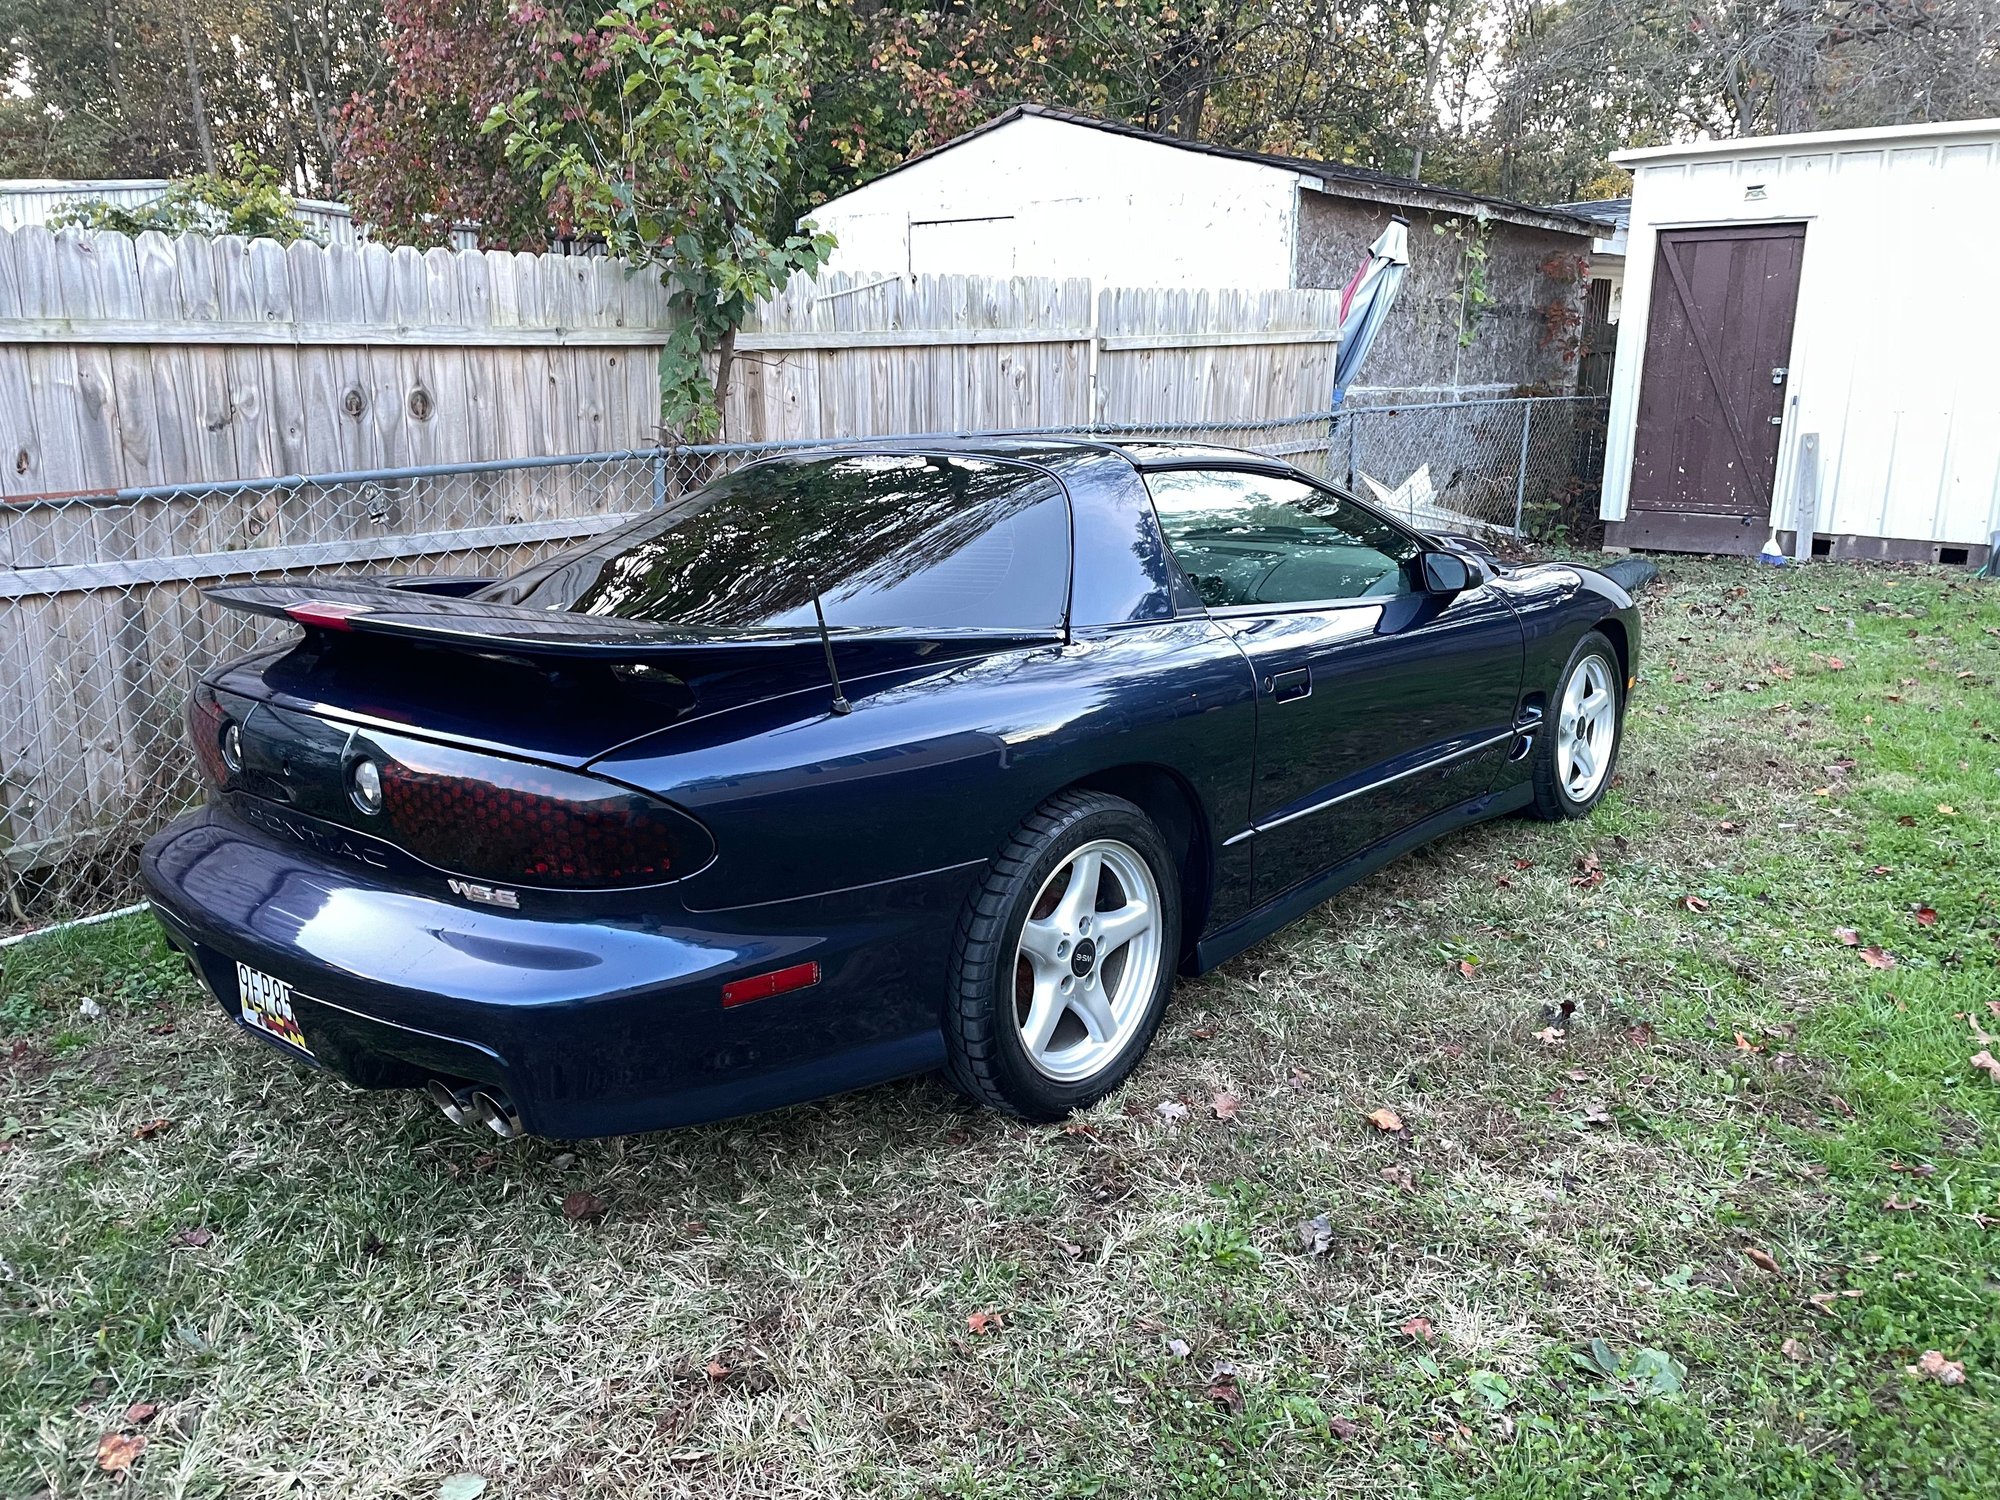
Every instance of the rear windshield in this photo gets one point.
(885, 540)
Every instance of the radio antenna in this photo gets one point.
(840, 703)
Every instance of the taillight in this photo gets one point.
(504, 821)
(207, 724)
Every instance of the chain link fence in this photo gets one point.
(103, 628)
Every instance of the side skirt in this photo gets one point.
(1287, 907)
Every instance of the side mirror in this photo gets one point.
(1443, 573)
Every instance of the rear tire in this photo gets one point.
(1576, 754)
(1064, 959)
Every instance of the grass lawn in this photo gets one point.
(1695, 1167)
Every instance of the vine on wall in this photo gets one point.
(1474, 296)
(1562, 314)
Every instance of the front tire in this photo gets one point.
(1064, 959)
(1577, 751)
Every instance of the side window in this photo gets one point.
(1258, 539)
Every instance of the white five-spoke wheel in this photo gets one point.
(1088, 960)
(1586, 728)
(1064, 958)
(1578, 746)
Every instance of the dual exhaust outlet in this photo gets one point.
(476, 1106)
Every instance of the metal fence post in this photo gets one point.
(1521, 470)
(659, 478)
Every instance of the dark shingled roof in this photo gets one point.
(1341, 179)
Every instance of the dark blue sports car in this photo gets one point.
(854, 765)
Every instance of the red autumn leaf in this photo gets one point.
(1878, 871)
(1223, 1391)
(1835, 664)
(1925, 916)
(581, 1205)
(1225, 1106)
(1418, 1328)
(118, 1451)
(1875, 958)
(1764, 1260)
(146, 1130)
(140, 1412)
(1467, 967)
(984, 1322)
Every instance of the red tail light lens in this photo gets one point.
(518, 824)
(206, 723)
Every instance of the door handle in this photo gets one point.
(1287, 686)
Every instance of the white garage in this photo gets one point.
(1811, 346)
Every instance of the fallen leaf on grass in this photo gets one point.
(140, 1412)
(147, 1129)
(1875, 958)
(580, 1205)
(1640, 1035)
(984, 1322)
(1589, 872)
(1926, 916)
(1893, 1204)
(1921, 1169)
(1878, 871)
(194, 1238)
(1223, 1390)
(717, 1371)
(1695, 903)
(118, 1451)
(462, 1487)
(1171, 1109)
(1316, 1234)
(1744, 1044)
(1401, 1177)
(1947, 809)
(1225, 1106)
(1932, 1365)
(1823, 1301)
(1418, 1328)
(1793, 1350)
(1762, 1259)
(1385, 1119)
(1179, 1348)
(1550, 1035)
(1835, 664)
(1987, 1064)
(1594, 1113)
(1343, 1428)
(1467, 967)
(1847, 936)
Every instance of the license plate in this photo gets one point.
(267, 1005)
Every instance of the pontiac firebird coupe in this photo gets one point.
(855, 765)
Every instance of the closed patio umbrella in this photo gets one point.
(1366, 300)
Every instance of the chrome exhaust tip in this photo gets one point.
(454, 1104)
(496, 1111)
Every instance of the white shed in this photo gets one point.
(1811, 345)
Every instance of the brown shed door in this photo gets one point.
(1712, 387)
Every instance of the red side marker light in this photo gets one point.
(763, 986)
(326, 614)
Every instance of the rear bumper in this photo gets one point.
(592, 1027)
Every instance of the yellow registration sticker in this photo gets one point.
(267, 1005)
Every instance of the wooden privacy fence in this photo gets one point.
(857, 355)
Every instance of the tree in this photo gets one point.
(672, 142)
(416, 160)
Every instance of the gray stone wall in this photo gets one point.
(1418, 352)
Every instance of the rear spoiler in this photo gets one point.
(355, 607)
